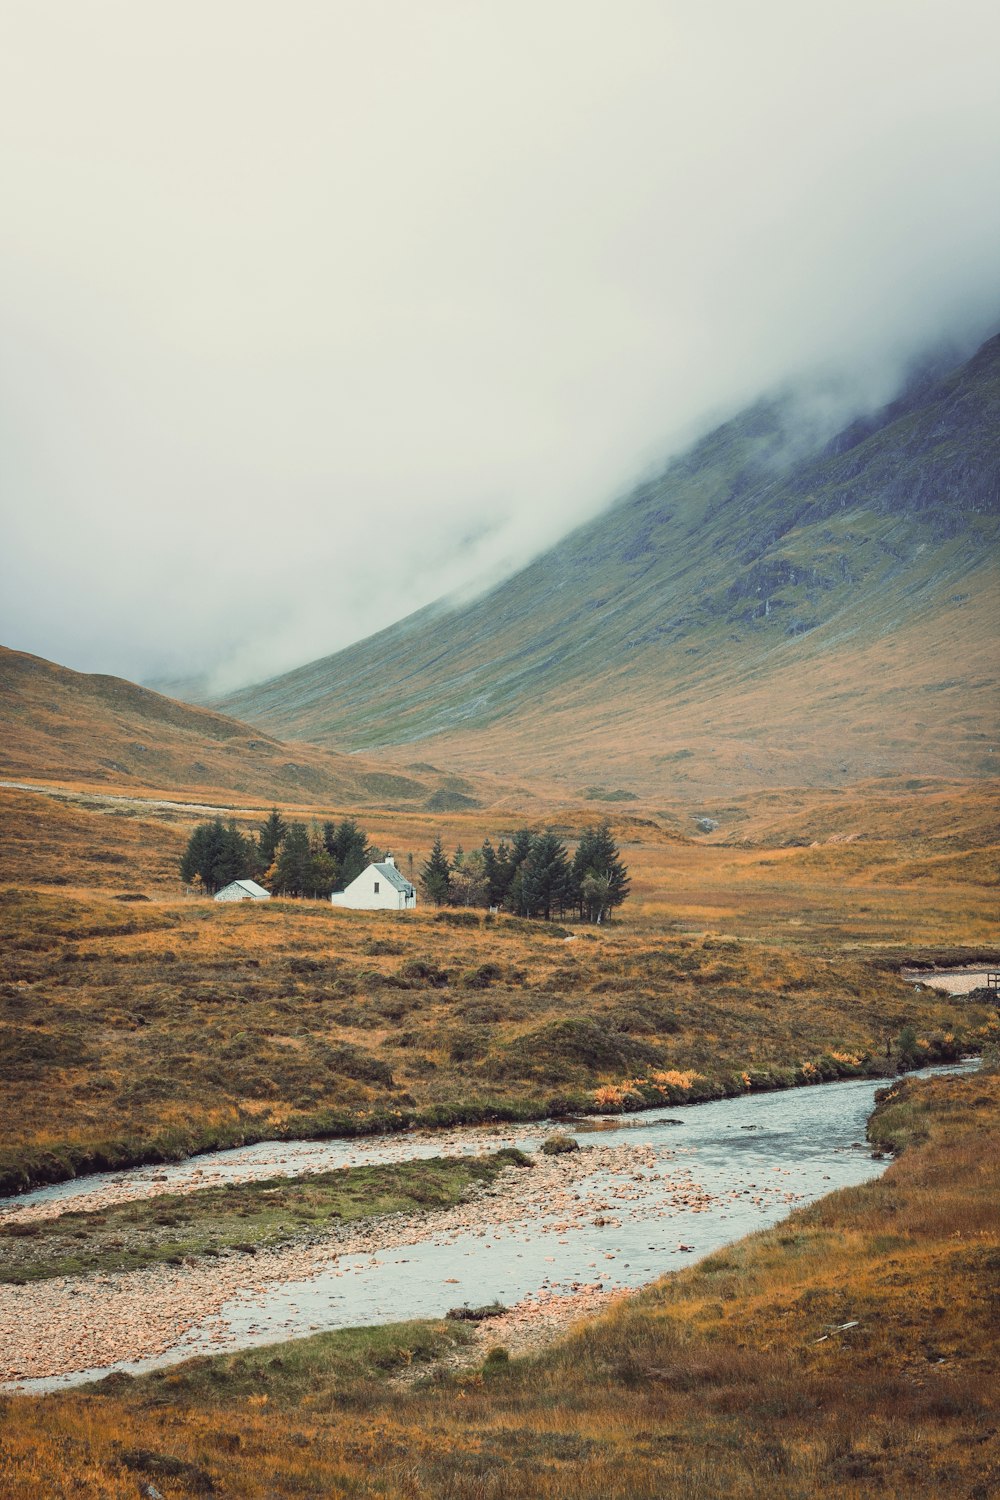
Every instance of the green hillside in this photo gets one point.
(751, 617)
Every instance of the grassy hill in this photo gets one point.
(751, 618)
(104, 732)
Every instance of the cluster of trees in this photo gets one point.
(288, 858)
(533, 876)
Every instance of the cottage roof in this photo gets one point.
(390, 873)
(251, 887)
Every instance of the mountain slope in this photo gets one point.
(751, 617)
(77, 727)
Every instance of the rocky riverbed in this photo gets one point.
(552, 1242)
(66, 1325)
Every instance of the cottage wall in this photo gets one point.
(371, 891)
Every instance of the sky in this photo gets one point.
(312, 313)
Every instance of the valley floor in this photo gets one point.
(850, 1351)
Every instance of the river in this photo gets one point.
(645, 1194)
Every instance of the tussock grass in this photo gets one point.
(146, 1032)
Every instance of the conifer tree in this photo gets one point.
(270, 835)
(200, 856)
(218, 854)
(436, 874)
(347, 844)
(236, 858)
(294, 862)
(491, 874)
(545, 877)
(597, 857)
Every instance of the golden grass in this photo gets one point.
(849, 1351)
(136, 1023)
(79, 730)
(133, 1031)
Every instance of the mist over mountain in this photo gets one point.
(773, 608)
(402, 294)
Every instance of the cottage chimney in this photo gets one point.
(390, 861)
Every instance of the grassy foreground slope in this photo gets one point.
(851, 1351)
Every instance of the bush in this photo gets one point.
(908, 1053)
(418, 972)
(477, 1314)
(644, 1016)
(483, 977)
(559, 1145)
(564, 1048)
(355, 1062)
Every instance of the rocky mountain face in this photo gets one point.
(766, 611)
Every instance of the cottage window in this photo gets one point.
(376, 887)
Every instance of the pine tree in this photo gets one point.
(600, 880)
(218, 854)
(491, 874)
(348, 845)
(545, 877)
(294, 862)
(609, 863)
(269, 837)
(201, 853)
(236, 858)
(436, 875)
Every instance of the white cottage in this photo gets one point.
(379, 888)
(243, 890)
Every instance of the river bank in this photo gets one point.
(67, 1165)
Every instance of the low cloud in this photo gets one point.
(311, 317)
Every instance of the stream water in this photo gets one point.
(680, 1184)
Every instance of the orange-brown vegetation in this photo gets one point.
(137, 1023)
(89, 730)
(849, 1351)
